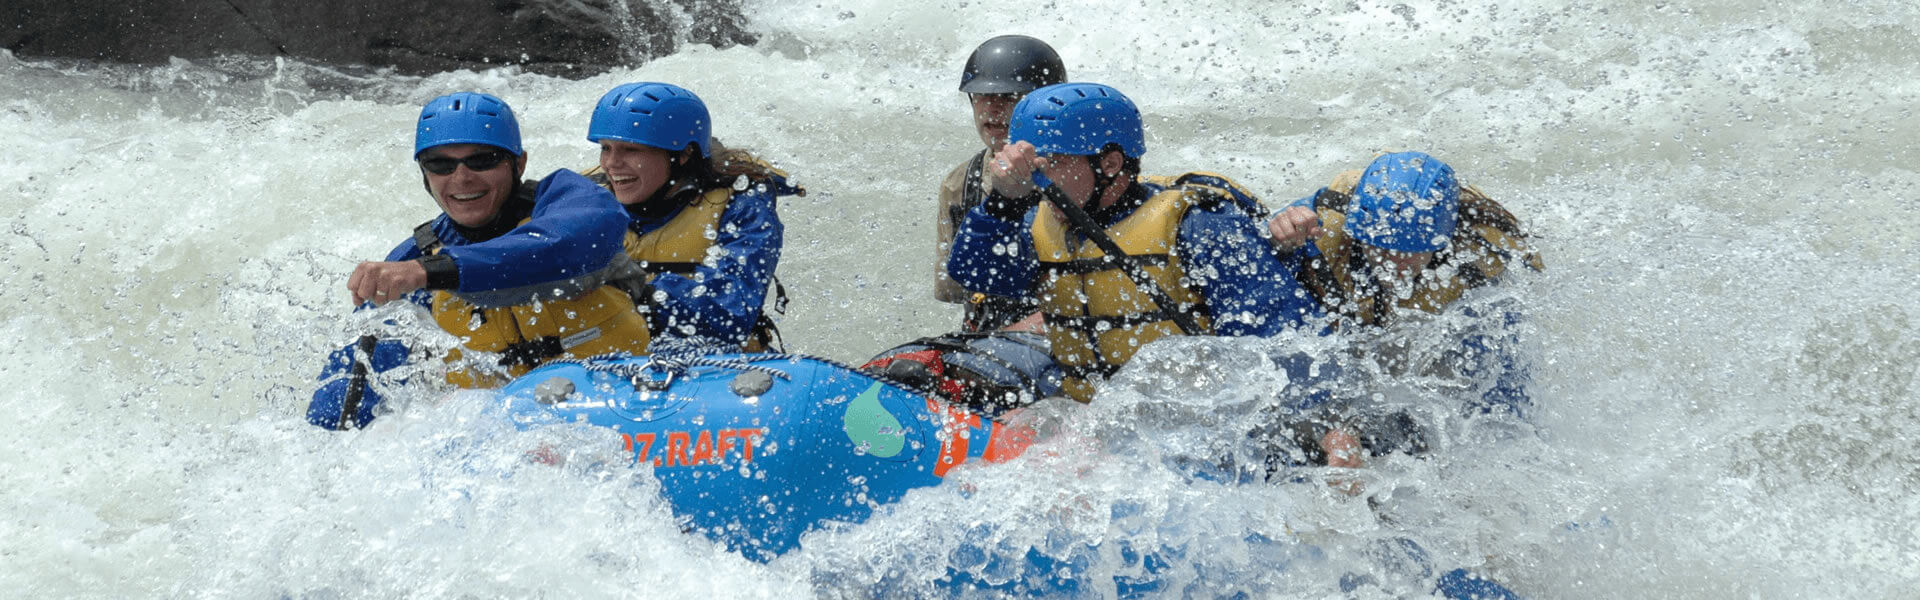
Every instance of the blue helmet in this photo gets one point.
(1406, 201)
(467, 118)
(661, 115)
(1078, 118)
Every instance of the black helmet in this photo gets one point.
(1012, 64)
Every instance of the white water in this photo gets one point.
(1726, 335)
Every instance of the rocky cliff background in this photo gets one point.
(571, 38)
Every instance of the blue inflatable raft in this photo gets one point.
(756, 450)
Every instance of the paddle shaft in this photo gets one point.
(1130, 265)
(357, 385)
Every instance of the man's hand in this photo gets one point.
(1010, 170)
(1009, 174)
(1294, 226)
(381, 282)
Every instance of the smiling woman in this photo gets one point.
(702, 217)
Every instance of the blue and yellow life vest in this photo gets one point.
(1097, 317)
(598, 321)
(681, 244)
(1485, 240)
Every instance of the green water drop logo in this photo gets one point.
(871, 427)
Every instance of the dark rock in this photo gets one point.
(572, 38)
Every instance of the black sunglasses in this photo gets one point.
(484, 161)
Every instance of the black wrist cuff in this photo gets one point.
(1008, 209)
(441, 272)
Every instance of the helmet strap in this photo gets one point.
(685, 174)
(1102, 180)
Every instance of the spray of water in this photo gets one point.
(1723, 344)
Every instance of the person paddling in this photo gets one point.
(529, 271)
(1194, 237)
(1382, 247)
(1405, 237)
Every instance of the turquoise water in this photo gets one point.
(1724, 342)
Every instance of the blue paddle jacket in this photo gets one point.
(722, 298)
(1246, 288)
(573, 231)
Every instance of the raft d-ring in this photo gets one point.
(642, 383)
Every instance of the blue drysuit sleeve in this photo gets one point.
(1493, 352)
(994, 256)
(722, 299)
(576, 228)
(330, 400)
(1248, 289)
(325, 407)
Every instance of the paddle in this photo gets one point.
(1078, 217)
(357, 385)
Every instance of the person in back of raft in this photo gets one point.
(702, 216)
(998, 361)
(529, 271)
(1193, 241)
(997, 75)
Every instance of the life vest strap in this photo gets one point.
(972, 190)
(779, 298)
(765, 336)
(425, 239)
(1094, 324)
(1211, 189)
(677, 268)
(766, 333)
(1088, 372)
(1105, 262)
(531, 352)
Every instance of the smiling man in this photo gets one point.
(1200, 262)
(531, 271)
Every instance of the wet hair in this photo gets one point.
(725, 167)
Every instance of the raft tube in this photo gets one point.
(755, 450)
